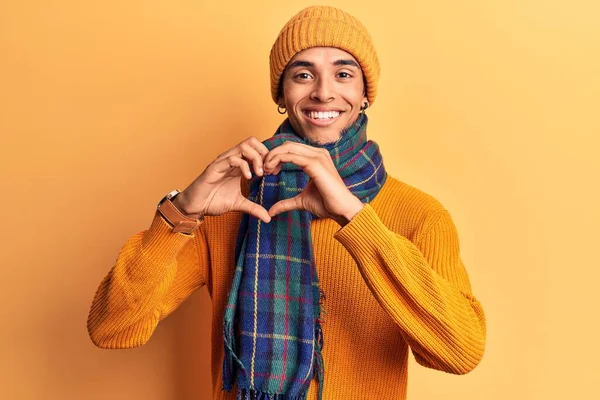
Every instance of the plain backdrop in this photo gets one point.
(489, 106)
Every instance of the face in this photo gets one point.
(323, 91)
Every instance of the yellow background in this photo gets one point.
(490, 106)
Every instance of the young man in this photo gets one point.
(305, 222)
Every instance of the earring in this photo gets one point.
(279, 110)
(365, 106)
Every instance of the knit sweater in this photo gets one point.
(393, 279)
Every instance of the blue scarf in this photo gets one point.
(272, 325)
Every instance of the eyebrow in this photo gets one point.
(300, 63)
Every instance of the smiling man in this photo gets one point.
(323, 90)
(322, 268)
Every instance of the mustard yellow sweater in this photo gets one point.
(393, 279)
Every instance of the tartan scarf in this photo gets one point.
(272, 324)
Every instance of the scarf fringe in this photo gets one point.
(251, 394)
(229, 357)
(319, 368)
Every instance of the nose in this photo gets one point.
(323, 91)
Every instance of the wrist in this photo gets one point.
(179, 221)
(180, 201)
(349, 213)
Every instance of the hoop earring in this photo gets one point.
(365, 106)
(279, 110)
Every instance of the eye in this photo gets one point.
(302, 75)
(345, 75)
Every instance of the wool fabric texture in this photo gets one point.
(329, 27)
(395, 283)
(272, 325)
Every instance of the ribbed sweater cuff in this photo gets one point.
(365, 224)
(161, 245)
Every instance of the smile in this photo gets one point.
(321, 118)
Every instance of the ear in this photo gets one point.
(280, 96)
(364, 99)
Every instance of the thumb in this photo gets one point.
(293, 203)
(254, 209)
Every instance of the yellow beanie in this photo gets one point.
(329, 27)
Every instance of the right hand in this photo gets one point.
(218, 189)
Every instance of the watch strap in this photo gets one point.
(179, 221)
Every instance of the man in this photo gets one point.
(323, 270)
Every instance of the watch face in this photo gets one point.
(169, 196)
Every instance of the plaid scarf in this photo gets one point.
(272, 325)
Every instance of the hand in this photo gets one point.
(325, 195)
(218, 189)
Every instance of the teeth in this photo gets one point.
(322, 115)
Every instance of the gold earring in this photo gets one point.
(279, 110)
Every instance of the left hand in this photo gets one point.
(325, 195)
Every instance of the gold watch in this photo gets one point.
(178, 220)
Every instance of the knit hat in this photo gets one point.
(329, 27)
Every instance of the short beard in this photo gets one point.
(323, 143)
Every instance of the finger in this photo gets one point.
(231, 152)
(252, 141)
(316, 154)
(250, 153)
(255, 210)
(276, 170)
(293, 147)
(294, 203)
(225, 165)
(302, 161)
(258, 146)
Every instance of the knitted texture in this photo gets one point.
(275, 293)
(393, 276)
(326, 26)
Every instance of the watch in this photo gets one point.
(178, 220)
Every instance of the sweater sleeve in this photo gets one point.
(155, 271)
(423, 286)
